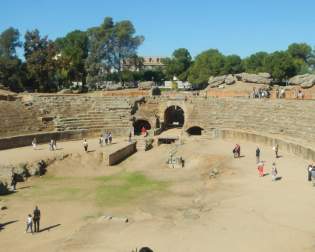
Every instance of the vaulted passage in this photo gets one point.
(195, 131)
(139, 124)
(174, 117)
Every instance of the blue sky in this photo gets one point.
(240, 27)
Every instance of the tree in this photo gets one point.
(73, 50)
(110, 44)
(256, 63)
(10, 64)
(281, 65)
(208, 63)
(232, 64)
(41, 62)
(178, 64)
(300, 51)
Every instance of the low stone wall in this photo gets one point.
(120, 154)
(26, 140)
(284, 145)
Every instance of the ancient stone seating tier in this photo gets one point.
(17, 119)
(293, 119)
(96, 114)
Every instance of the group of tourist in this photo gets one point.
(260, 164)
(105, 138)
(260, 93)
(33, 221)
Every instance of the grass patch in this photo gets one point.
(125, 187)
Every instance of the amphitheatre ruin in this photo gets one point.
(134, 193)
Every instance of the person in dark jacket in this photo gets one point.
(14, 180)
(36, 219)
(257, 155)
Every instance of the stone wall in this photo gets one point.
(26, 140)
(120, 154)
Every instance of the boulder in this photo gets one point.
(65, 91)
(305, 80)
(146, 85)
(221, 80)
(261, 78)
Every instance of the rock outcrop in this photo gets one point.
(228, 79)
(146, 85)
(260, 78)
(305, 80)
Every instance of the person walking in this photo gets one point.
(29, 224)
(260, 169)
(257, 155)
(274, 172)
(85, 145)
(129, 137)
(276, 149)
(36, 219)
(14, 180)
(309, 172)
(110, 138)
(34, 143)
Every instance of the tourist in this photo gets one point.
(54, 146)
(274, 172)
(300, 95)
(257, 155)
(34, 143)
(110, 137)
(129, 138)
(309, 172)
(260, 169)
(14, 180)
(29, 224)
(85, 145)
(106, 138)
(282, 93)
(36, 219)
(100, 141)
(276, 149)
(277, 93)
(50, 145)
(237, 151)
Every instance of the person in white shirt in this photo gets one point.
(29, 224)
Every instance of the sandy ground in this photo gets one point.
(236, 211)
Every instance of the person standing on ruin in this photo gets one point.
(36, 219)
(85, 145)
(257, 155)
(54, 144)
(34, 143)
(100, 141)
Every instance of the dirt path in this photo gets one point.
(238, 211)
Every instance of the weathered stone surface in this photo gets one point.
(65, 91)
(220, 80)
(305, 80)
(146, 85)
(261, 78)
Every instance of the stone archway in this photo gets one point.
(139, 124)
(195, 131)
(174, 117)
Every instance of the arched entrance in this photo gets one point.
(195, 131)
(139, 124)
(174, 117)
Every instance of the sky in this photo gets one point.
(238, 27)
